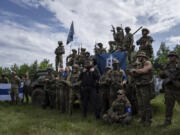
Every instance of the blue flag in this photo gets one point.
(104, 60)
(71, 33)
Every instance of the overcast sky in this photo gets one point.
(30, 29)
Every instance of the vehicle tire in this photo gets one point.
(38, 97)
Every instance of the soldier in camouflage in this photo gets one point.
(144, 85)
(120, 111)
(74, 92)
(14, 91)
(171, 74)
(81, 58)
(145, 43)
(116, 80)
(50, 90)
(59, 51)
(119, 36)
(99, 50)
(72, 58)
(112, 46)
(104, 91)
(128, 43)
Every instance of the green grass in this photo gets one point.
(31, 120)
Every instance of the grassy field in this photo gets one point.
(31, 120)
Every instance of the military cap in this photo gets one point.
(74, 50)
(128, 28)
(145, 29)
(121, 92)
(115, 61)
(173, 53)
(141, 54)
(60, 42)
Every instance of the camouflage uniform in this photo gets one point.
(50, 90)
(26, 89)
(112, 46)
(74, 93)
(171, 73)
(73, 58)
(99, 50)
(144, 90)
(4, 79)
(145, 43)
(120, 111)
(115, 80)
(104, 91)
(14, 91)
(59, 52)
(128, 43)
(81, 58)
(119, 36)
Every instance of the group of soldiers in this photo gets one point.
(116, 95)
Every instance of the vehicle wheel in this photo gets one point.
(38, 97)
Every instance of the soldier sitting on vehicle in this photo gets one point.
(120, 111)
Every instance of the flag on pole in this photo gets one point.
(71, 34)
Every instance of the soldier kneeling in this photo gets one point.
(120, 111)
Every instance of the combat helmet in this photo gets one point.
(74, 50)
(173, 53)
(100, 44)
(83, 49)
(142, 54)
(145, 29)
(118, 28)
(60, 42)
(127, 28)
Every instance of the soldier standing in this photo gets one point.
(119, 36)
(4, 79)
(74, 92)
(171, 74)
(26, 89)
(116, 80)
(120, 111)
(14, 91)
(145, 43)
(104, 91)
(144, 85)
(81, 58)
(128, 43)
(72, 58)
(89, 78)
(59, 52)
(99, 50)
(112, 46)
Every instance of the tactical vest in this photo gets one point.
(15, 82)
(59, 50)
(119, 106)
(144, 79)
(74, 77)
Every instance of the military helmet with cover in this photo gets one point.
(74, 50)
(142, 54)
(145, 29)
(173, 53)
(127, 28)
(60, 42)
